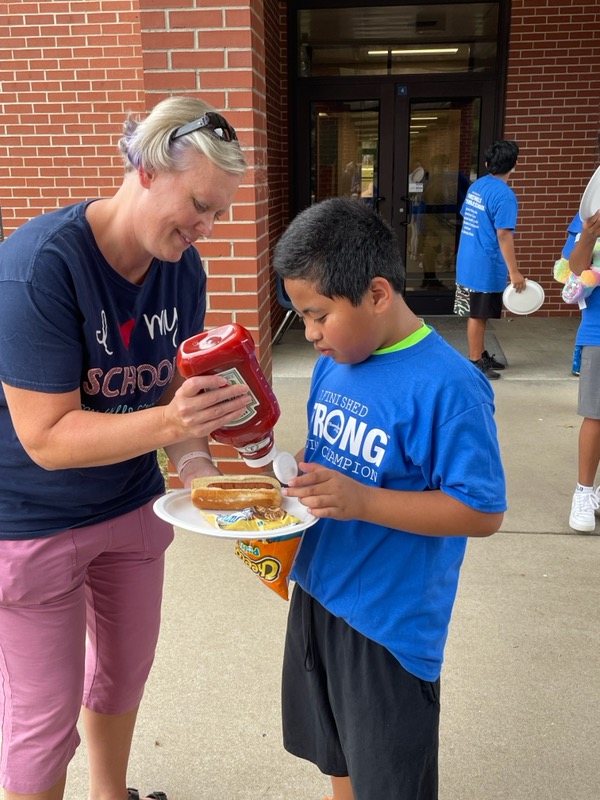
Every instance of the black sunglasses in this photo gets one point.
(213, 122)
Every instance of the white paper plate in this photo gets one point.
(525, 302)
(590, 200)
(177, 508)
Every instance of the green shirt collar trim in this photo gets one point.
(411, 340)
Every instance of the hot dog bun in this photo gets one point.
(234, 492)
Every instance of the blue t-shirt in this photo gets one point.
(69, 321)
(490, 206)
(589, 329)
(415, 419)
(573, 234)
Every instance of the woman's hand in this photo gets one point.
(204, 403)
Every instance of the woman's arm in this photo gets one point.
(57, 434)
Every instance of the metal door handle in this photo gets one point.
(407, 210)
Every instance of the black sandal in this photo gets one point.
(135, 795)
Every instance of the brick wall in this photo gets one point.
(218, 52)
(278, 161)
(553, 111)
(71, 71)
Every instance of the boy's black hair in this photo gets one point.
(501, 156)
(340, 245)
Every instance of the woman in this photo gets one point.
(95, 299)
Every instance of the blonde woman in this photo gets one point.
(95, 299)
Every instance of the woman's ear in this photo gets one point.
(145, 177)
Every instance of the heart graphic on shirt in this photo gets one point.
(126, 329)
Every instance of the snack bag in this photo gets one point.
(271, 559)
(255, 518)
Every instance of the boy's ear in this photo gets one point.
(382, 294)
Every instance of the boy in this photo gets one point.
(486, 251)
(582, 240)
(401, 463)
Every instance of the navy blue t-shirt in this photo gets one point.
(68, 320)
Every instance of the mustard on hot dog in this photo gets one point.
(235, 492)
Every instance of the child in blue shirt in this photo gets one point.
(401, 464)
(583, 237)
(486, 252)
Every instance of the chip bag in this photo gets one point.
(271, 559)
(254, 518)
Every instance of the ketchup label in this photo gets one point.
(233, 376)
(249, 449)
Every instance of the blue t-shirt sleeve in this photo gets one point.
(506, 212)
(573, 233)
(472, 472)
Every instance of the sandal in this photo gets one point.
(135, 795)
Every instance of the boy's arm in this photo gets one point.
(580, 257)
(328, 493)
(506, 243)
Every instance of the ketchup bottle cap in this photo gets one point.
(285, 467)
(261, 461)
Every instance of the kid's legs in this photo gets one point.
(342, 789)
(476, 337)
(586, 500)
(351, 709)
(479, 307)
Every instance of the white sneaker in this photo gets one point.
(597, 493)
(583, 509)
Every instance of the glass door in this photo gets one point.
(342, 146)
(345, 150)
(409, 154)
(394, 104)
(442, 148)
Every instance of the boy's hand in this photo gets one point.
(518, 281)
(328, 493)
(591, 227)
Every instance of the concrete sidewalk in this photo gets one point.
(521, 705)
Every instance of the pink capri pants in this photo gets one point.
(104, 580)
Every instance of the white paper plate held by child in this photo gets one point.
(590, 200)
(525, 302)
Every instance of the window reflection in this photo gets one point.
(443, 158)
(397, 40)
(345, 149)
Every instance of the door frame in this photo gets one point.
(394, 97)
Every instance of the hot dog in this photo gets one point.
(234, 492)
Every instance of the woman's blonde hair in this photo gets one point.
(147, 143)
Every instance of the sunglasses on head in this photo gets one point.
(213, 122)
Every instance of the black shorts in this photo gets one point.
(352, 709)
(477, 305)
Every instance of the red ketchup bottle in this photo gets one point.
(229, 351)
